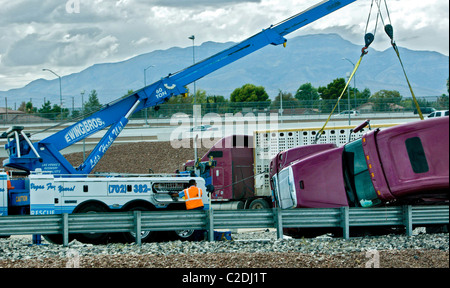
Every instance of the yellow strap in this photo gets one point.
(407, 80)
(319, 134)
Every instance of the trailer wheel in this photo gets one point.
(93, 238)
(146, 236)
(188, 235)
(259, 204)
(56, 238)
(434, 229)
(184, 235)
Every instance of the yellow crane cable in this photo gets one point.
(319, 134)
(409, 84)
(368, 39)
(390, 32)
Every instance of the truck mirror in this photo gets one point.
(210, 188)
(361, 126)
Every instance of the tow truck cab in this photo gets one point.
(232, 172)
(407, 163)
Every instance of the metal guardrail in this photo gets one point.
(138, 221)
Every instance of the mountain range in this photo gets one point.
(317, 59)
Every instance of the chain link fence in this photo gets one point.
(286, 108)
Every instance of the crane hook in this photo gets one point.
(368, 39)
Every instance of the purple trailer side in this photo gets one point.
(407, 163)
(415, 158)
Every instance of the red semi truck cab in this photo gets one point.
(232, 175)
(407, 163)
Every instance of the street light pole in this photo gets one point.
(60, 89)
(193, 59)
(145, 85)
(281, 106)
(195, 99)
(348, 91)
(354, 80)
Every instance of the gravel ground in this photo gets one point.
(139, 157)
(258, 249)
(247, 250)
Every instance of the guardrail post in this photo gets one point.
(345, 222)
(65, 226)
(37, 239)
(137, 227)
(407, 219)
(210, 224)
(278, 219)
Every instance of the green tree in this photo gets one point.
(216, 99)
(180, 99)
(364, 95)
(288, 101)
(216, 104)
(447, 87)
(189, 99)
(331, 93)
(57, 111)
(333, 90)
(307, 95)
(30, 108)
(129, 92)
(384, 100)
(361, 97)
(249, 93)
(76, 114)
(46, 110)
(200, 97)
(92, 104)
(27, 107)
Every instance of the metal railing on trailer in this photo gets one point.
(344, 218)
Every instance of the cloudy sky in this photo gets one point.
(68, 36)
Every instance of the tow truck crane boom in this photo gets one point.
(45, 155)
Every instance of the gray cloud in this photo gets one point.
(74, 47)
(90, 32)
(26, 11)
(199, 3)
(42, 33)
(29, 51)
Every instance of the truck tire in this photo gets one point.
(185, 235)
(92, 238)
(146, 236)
(435, 229)
(56, 238)
(313, 232)
(259, 204)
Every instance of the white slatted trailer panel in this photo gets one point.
(268, 144)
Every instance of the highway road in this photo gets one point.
(178, 128)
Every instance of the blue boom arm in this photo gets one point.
(24, 155)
